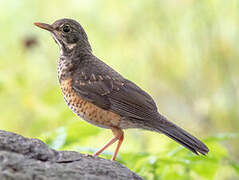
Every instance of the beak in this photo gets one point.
(47, 27)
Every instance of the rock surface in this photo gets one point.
(30, 159)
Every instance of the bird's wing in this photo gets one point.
(120, 96)
(131, 101)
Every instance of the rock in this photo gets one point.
(30, 159)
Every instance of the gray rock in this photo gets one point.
(30, 159)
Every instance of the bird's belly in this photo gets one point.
(86, 110)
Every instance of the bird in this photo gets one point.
(101, 96)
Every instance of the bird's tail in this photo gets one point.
(162, 125)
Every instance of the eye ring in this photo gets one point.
(66, 28)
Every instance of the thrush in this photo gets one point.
(101, 96)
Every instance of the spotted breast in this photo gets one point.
(86, 110)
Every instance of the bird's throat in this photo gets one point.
(60, 44)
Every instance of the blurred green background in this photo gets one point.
(184, 53)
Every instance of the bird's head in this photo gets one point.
(68, 34)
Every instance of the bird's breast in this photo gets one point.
(64, 69)
(87, 110)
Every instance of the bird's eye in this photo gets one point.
(66, 28)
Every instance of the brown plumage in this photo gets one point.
(101, 96)
(86, 110)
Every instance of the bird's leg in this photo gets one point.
(118, 145)
(118, 135)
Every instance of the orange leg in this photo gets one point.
(118, 146)
(118, 135)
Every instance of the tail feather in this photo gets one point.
(179, 135)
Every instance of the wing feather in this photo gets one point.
(117, 95)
